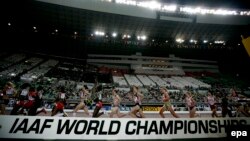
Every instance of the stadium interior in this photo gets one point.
(77, 43)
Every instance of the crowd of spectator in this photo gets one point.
(73, 76)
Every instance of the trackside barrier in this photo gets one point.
(78, 128)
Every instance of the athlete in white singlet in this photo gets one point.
(237, 101)
(116, 103)
(190, 102)
(9, 89)
(210, 99)
(8, 92)
(84, 95)
(137, 97)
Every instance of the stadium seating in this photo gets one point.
(120, 80)
(159, 81)
(20, 68)
(185, 82)
(174, 83)
(38, 71)
(132, 80)
(197, 82)
(145, 80)
(52, 74)
(11, 60)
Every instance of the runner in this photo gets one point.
(21, 98)
(137, 97)
(190, 102)
(210, 99)
(38, 103)
(59, 104)
(98, 107)
(116, 103)
(84, 95)
(167, 104)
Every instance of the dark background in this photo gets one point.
(22, 37)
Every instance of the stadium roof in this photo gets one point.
(213, 3)
(45, 17)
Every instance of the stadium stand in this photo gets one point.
(39, 71)
(145, 80)
(158, 81)
(132, 80)
(174, 83)
(52, 74)
(120, 81)
(20, 68)
(6, 62)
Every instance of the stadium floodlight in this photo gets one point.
(247, 13)
(149, 4)
(205, 41)
(198, 10)
(221, 12)
(138, 37)
(225, 12)
(219, 42)
(193, 41)
(128, 2)
(155, 5)
(9, 24)
(143, 37)
(190, 10)
(244, 13)
(99, 33)
(102, 33)
(234, 13)
(179, 40)
(126, 36)
(169, 8)
(114, 34)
